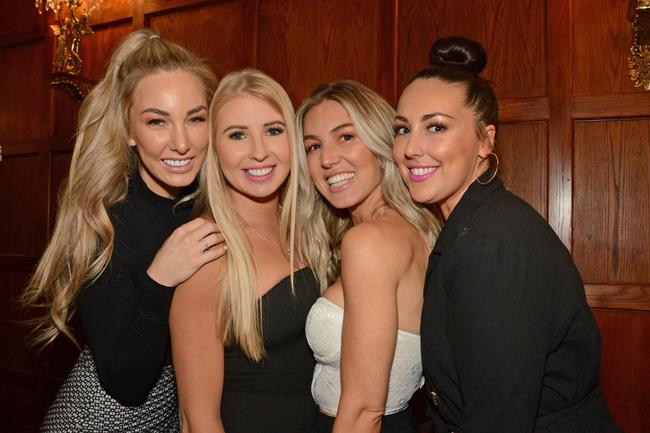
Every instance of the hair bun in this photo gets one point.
(458, 51)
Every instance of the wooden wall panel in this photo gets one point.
(24, 92)
(13, 329)
(302, 49)
(512, 32)
(97, 48)
(23, 200)
(624, 374)
(601, 45)
(523, 161)
(222, 33)
(20, 22)
(611, 218)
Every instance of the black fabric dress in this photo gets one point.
(274, 396)
(124, 381)
(509, 343)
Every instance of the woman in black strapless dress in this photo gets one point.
(242, 361)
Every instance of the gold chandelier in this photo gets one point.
(71, 23)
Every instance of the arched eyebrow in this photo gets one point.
(165, 113)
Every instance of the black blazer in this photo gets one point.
(508, 341)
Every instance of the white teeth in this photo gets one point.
(340, 179)
(421, 171)
(176, 162)
(259, 171)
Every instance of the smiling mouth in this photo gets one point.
(340, 179)
(259, 172)
(177, 162)
(422, 171)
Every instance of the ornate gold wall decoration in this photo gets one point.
(639, 63)
(71, 23)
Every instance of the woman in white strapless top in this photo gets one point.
(368, 244)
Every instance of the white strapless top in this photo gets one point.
(323, 329)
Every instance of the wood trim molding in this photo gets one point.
(610, 106)
(618, 296)
(11, 262)
(523, 109)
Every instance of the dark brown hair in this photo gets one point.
(457, 60)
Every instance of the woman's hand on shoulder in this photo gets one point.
(189, 247)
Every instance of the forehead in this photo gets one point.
(246, 108)
(432, 95)
(169, 89)
(326, 115)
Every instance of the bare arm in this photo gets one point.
(370, 276)
(197, 350)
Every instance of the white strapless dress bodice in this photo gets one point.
(323, 330)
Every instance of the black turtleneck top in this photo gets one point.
(124, 313)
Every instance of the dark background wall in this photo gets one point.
(573, 139)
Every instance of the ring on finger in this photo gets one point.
(206, 245)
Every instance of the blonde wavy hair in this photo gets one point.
(372, 118)
(82, 242)
(239, 312)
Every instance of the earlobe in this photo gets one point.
(488, 143)
(131, 142)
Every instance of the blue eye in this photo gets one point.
(237, 135)
(274, 130)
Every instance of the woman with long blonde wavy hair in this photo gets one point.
(239, 347)
(368, 244)
(122, 239)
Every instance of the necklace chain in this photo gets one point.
(262, 236)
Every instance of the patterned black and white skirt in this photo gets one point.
(82, 405)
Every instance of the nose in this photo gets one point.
(181, 142)
(259, 150)
(329, 155)
(412, 146)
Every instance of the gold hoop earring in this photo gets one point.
(494, 173)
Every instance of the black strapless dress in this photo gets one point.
(274, 396)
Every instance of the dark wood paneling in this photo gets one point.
(523, 161)
(619, 297)
(20, 23)
(221, 33)
(305, 44)
(611, 218)
(602, 39)
(24, 92)
(112, 11)
(624, 367)
(13, 326)
(97, 48)
(23, 200)
(512, 32)
(523, 109)
(611, 106)
(560, 132)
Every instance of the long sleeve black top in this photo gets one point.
(124, 313)
(509, 343)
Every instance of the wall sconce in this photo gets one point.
(71, 24)
(639, 63)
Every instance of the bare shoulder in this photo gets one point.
(379, 244)
(200, 290)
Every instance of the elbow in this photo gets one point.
(359, 419)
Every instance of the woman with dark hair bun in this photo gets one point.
(508, 341)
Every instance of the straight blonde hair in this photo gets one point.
(239, 312)
(325, 227)
(82, 242)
